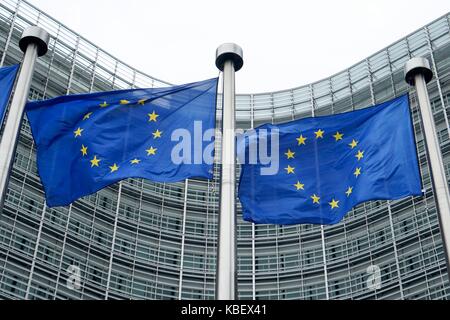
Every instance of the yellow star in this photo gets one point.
(357, 172)
(78, 132)
(95, 162)
(83, 150)
(151, 151)
(338, 136)
(301, 140)
(319, 133)
(349, 191)
(123, 102)
(135, 161)
(353, 144)
(114, 167)
(360, 155)
(315, 199)
(289, 169)
(142, 101)
(289, 154)
(299, 186)
(157, 134)
(334, 204)
(104, 104)
(87, 116)
(153, 116)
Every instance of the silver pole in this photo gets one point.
(228, 59)
(34, 43)
(419, 73)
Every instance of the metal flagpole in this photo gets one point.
(418, 73)
(229, 58)
(34, 43)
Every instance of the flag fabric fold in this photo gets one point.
(86, 142)
(7, 78)
(328, 165)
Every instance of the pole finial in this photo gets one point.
(229, 51)
(35, 35)
(417, 65)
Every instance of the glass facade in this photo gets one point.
(144, 240)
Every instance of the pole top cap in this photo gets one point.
(415, 66)
(229, 51)
(35, 35)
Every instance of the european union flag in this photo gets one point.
(7, 78)
(86, 142)
(329, 164)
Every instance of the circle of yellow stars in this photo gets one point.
(338, 137)
(94, 159)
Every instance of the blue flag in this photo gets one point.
(7, 78)
(327, 165)
(86, 142)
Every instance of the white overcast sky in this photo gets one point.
(286, 43)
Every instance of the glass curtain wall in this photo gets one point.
(144, 240)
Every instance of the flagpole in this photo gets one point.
(418, 73)
(33, 43)
(229, 58)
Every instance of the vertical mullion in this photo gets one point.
(388, 202)
(183, 237)
(94, 69)
(113, 242)
(36, 248)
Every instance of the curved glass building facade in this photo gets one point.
(144, 240)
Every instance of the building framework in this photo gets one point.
(145, 240)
